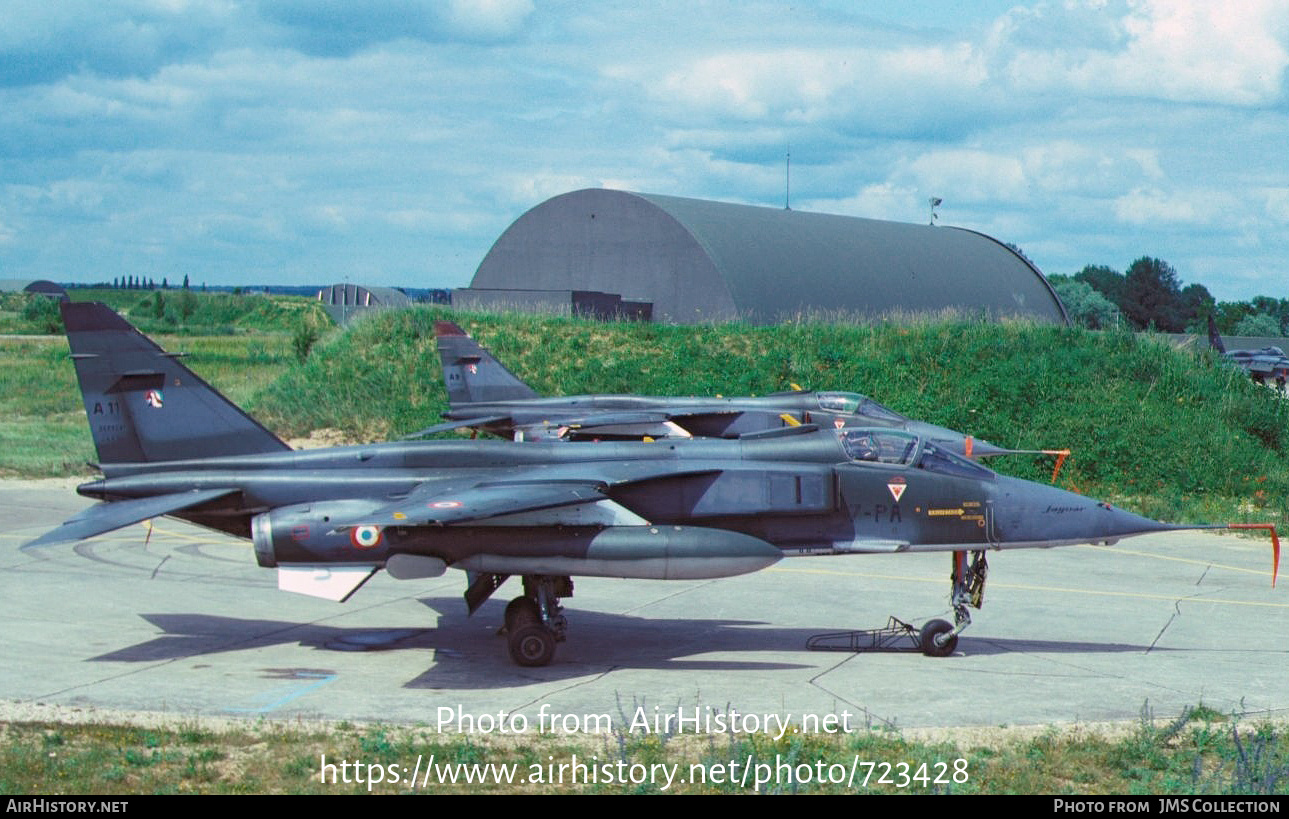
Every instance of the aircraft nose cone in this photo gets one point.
(1037, 514)
(1122, 523)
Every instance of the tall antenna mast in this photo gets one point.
(787, 180)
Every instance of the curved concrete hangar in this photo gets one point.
(41, 286)
(345, 301)
(692, 260)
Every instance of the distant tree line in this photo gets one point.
(1150, 296)
(143, 283)
(425, 295)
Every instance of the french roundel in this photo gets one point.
(365, 537)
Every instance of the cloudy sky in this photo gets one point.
(392, 141)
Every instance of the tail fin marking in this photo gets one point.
(471, 374)
(143, 405)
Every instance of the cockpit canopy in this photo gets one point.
(935, 459)
(852, 403)
(879, 445)
(890, 446)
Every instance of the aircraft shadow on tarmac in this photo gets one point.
(991, 646)
(468, 654)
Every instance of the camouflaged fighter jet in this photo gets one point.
(483, 394)
(1261, 365)
(329, 519)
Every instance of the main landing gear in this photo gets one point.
(937, 638)
(535, 622)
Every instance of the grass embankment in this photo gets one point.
(172, 312)
(1162, 432)
(1199, 753)
(1165, 433)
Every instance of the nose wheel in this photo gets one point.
(937, 638)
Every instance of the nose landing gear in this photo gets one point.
(937, 638)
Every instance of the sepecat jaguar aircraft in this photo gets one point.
(329, 519)
(484, 394)
(1267, 364)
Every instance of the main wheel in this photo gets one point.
(932, 630)
(532, 645)
(520, 612)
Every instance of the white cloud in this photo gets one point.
(330, 216)
(808, 86)
(291, 138)
(1178, 50)
(487, 19)
(971, 175)
(884, 200)
(1065, 166)
(529, 189)
(1276, 204)
(874, 99)
(81, 195)
(1149, 206)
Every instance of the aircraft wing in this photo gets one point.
(675, 422)
(1262, 364)
(555, 425)
(438, 507)
(448, 426)
(115, 514)
(564, 493)
(552, 423)
(601, 419)
(597, 419)
(706, 422)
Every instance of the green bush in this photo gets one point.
(41, 312)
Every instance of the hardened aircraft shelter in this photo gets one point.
(691, 260)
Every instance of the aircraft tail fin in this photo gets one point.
(143, 405)
(470, 372)
(1214, 338)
